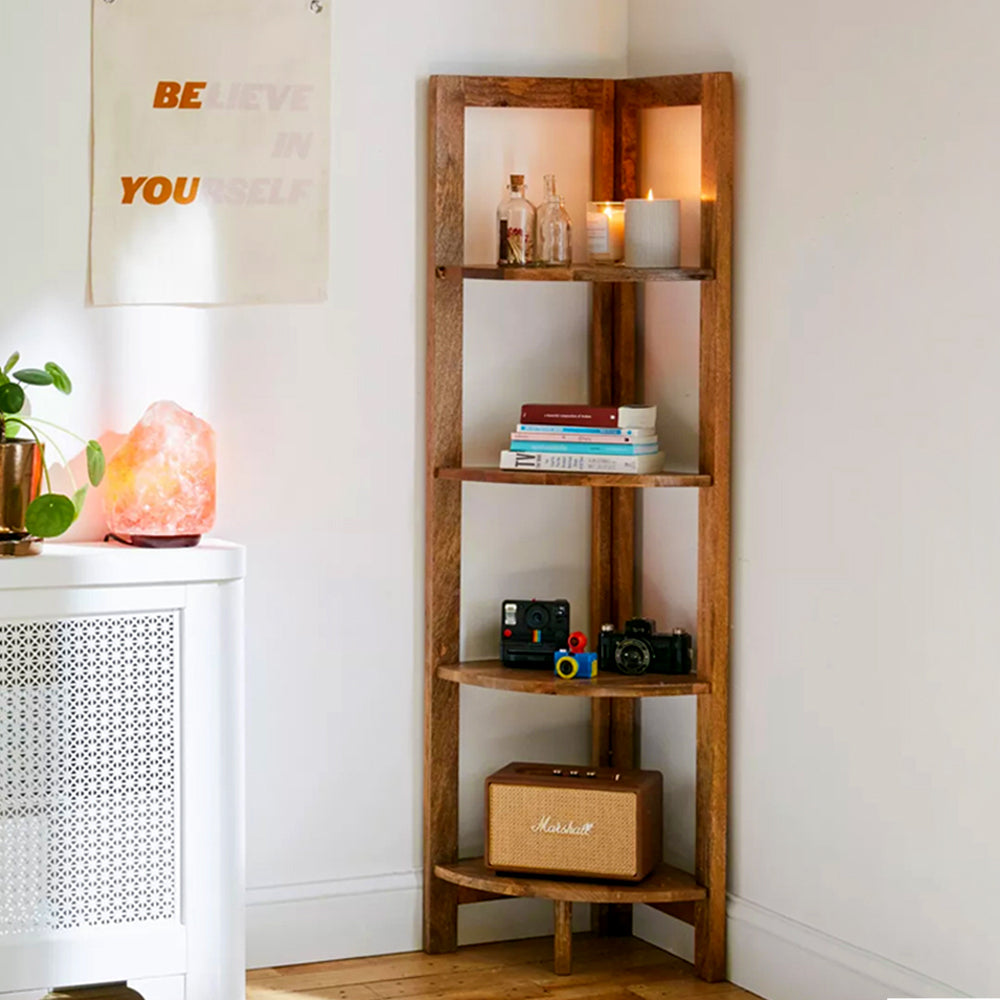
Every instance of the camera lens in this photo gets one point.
(567, 667)
(632, 656)
(537, 616)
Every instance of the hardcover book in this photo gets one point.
(581, 415)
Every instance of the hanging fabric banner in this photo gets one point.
(211, 151)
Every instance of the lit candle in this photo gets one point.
(605, 231)
(652, 232)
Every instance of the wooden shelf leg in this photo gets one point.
(564, 938)
(441, 814)
(441, 917)
(446, 131)
(714, 525)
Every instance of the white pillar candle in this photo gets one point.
(652, 232)
(605, 231)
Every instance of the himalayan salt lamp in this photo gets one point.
(160, 484)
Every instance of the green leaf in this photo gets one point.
(13, 427)
(79, 499)
(59, 378)
(11, 398)
(33, 376)
(95, 462)
(11, 361)
(49, 515)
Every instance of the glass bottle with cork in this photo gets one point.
(516, 225)
(554, 227)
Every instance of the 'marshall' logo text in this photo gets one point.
(547, 825)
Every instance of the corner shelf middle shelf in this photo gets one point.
(491, 474)
(574, 272)
(493, 674)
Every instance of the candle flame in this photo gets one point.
(608, 212)
(649, 197)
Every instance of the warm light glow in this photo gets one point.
(649, 197)
(607, 211)
(161, 482)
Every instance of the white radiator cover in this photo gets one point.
(121, 770)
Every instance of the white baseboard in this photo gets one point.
(782, 959)
(344, 918)
(376, 915)
(665, 932)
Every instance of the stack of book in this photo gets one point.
(560, 437)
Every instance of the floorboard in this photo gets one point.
(603, 969)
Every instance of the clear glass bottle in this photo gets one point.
(554, 227)
(516, 225)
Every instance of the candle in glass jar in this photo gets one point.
(652, 232)
(605, 231)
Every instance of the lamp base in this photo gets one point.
(155, 541)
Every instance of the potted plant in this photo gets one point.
(26, 510)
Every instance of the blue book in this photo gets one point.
(563, 448)
(553, 429)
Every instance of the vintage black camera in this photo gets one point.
(641, 650)
(531, 631)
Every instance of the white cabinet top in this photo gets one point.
(109, 564)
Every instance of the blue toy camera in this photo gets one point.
(579, 665)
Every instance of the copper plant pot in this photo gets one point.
(20, 483)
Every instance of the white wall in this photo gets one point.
(865, 686)
(332, 517)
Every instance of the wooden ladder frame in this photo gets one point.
(617, 107)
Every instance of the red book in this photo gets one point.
(577, 415)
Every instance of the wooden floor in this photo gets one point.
(603, 969)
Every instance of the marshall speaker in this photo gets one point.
(556, 819)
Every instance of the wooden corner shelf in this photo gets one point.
(615, 370)
(493, 674)
(490, 474)
(665, 884)
(576, 272)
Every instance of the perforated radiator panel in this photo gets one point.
(89, 771)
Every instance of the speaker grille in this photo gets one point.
(88, 771)
(607, 849)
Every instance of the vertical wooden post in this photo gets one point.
(713, 522)
(620, 717)
(446, 140)
(611, 548)
(625, 711)
(601, 376)
(563, 938)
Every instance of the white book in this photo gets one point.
(616, 437)
(640, 465)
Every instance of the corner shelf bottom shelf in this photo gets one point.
(665, 884)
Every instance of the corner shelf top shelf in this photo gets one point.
(577, 272)
(493, 674)
(665, 884)
(490, 474)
